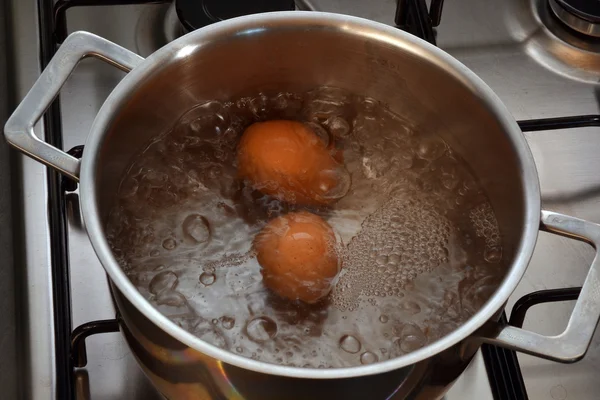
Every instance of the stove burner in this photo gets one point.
(580, 15)
(195, 14)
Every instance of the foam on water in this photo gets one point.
(419, 243)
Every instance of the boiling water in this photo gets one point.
(421, 247)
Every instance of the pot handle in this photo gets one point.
(572, 344)
(19, 127)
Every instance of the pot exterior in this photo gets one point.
(180, 372)
(297, 52)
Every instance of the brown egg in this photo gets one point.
(297, 253)
(285, 159)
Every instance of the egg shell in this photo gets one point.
(286, 160)
(297, 253)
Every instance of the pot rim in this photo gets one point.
(392, 36)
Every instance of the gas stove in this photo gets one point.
(542, 57)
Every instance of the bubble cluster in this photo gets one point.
(486, 227)
(404, 238)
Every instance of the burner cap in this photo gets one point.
(580, 15)
(195, 14)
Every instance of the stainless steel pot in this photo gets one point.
(298, 51)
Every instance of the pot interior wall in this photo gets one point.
(292, 56)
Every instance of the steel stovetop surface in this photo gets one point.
(538, 72)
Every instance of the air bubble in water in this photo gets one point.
(381, 260)
(403, 159)
(207, 278)
(375, 167)
(338, 126)
(162, 281)
(169, 244)
(411, 343)
(383, 319)
(411, 307)
(412, 338)
(210, 333)
(170, 298)
(350, 344)
(227, 322)
(335, 183)
(186, 322)
(212, 336)
(431, 148)
(195, 228)
(493, 254)
(280, 101)
(259, 106)
(129, 187)
(207, 118)
(320, 132)
(261, 329)
(394, 259)
(368, 358)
